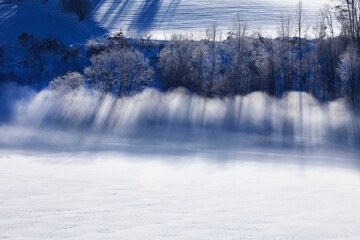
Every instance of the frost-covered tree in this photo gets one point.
(349, 71)
(174, 61)
(348, 14)
(300, 32)
(121, 71)
(95, 46)
(238, 55)
(184, 62)
(213, 37)
(285, 53)
(69, 82)
(327, 49)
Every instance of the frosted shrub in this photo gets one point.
(349, 73)
(95, 46)
(69, 82)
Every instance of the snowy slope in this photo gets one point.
(43, 20)
(160, 17)
(163, 17)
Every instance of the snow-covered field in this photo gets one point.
(43, 20)
(137, 17)
(108, 195)
(163, 17)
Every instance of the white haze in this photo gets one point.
(85, 119)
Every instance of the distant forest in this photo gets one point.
(323, 59)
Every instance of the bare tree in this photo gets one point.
(285, 52)
(183, 62)
(349, 71)
(299, 24)
(348, 14)
(236, 77)
(121, 71)
(213, 36)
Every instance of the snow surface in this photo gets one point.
(163, 17)
(108, 195)
(137, 17)
(43, 20)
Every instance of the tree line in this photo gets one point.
(327, 65)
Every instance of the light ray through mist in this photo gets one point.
(86, 117)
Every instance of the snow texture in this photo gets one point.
(137, 17)
(163, 17)
(116, 196)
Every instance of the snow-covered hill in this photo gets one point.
(43, 20)
(160, 17)
(163, 17)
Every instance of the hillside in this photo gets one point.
(160, 18)
(43, 20)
